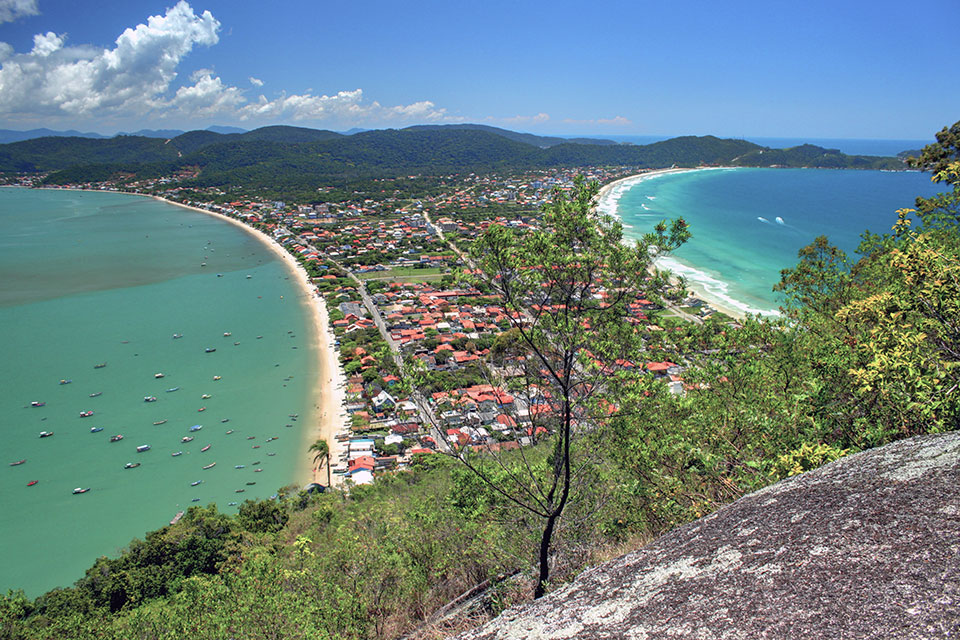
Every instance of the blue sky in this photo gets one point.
(847, 69)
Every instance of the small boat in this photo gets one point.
(177, 517)
(186, 439)
(158, 375)
(37, 404)
(149, 398)
(66, 381)
(206, 448)
(100, 366)
(172, 389)
(259, 337)
(255, 463)
(227, 334)
(251, 437)
(142, 448)
(216, 377)
(18, 462)
(79, 490)
(32, 482)
(256, 446)
(176, 453)
(195, 483)
(257, 470)
(209, 350)
(97, 394)
(210, 466)
(271, 454)
(177, 335)
(229, 431)
(231, 504)
(239, 490)
(239, 466)
(160, 422)
(271, 439)
(201, 409)
(205, 396)
(96, 429)
(131, 465)
(195, 500)
(236, 344)
(225, 420)
(219, 275)
(251, 483)
(86, 414)
(196, 427)
(116, 438)
(249, 276)
(46, 434)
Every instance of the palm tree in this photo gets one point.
(323, 453)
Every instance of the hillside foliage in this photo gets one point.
(868, 351)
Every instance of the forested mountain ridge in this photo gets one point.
(282, 150)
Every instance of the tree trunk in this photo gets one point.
(545, 555)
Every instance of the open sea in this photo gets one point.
(748, 224)
(89, 279)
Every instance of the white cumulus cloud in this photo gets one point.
(139, 79)
(129, 79)
(10, 10)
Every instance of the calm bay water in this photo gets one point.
(748, 224)
(91, 278)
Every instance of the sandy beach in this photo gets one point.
(328, 417)
(609, 192)
(637, 177)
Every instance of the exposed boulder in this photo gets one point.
(865, 547)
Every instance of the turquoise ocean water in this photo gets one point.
(91, 278)
(748, 224)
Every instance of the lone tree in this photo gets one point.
(322, 456)
(569, 290)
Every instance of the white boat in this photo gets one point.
(142, 448)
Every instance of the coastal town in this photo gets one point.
(392, 275)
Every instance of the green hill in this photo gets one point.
(298, 156)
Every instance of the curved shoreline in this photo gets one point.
(627, 182)
(327, 414)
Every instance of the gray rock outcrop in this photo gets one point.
(865, 547)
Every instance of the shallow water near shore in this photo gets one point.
(89, 279)
(748, 224)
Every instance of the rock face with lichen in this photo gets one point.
(865, 547)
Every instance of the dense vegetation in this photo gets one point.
(296, 158)
(868, 352)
